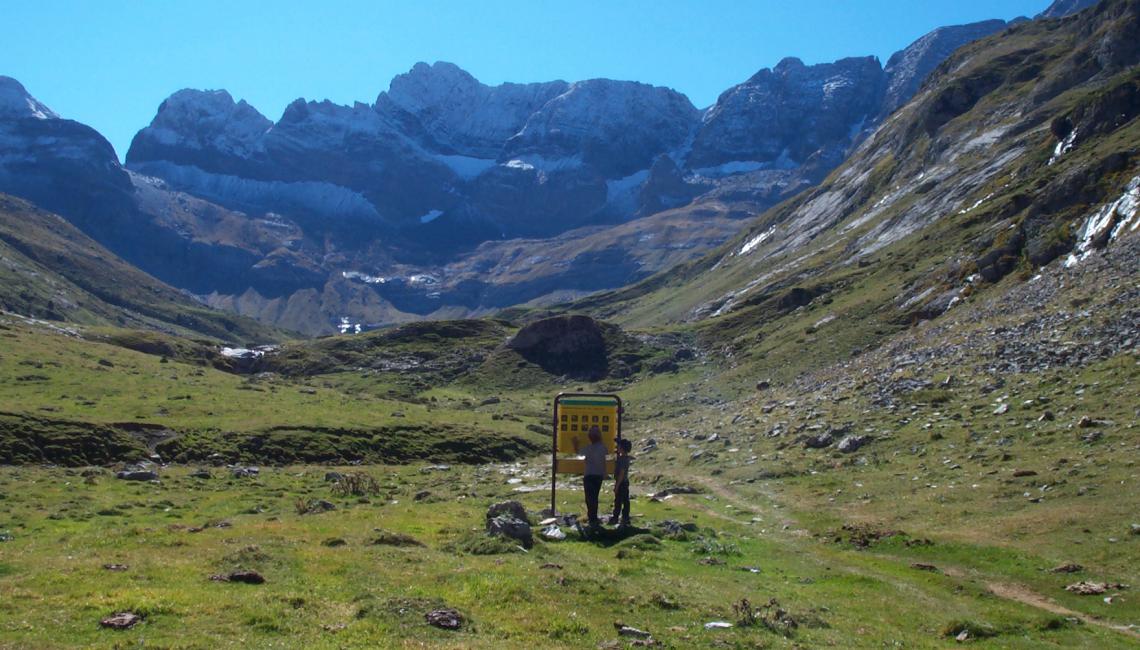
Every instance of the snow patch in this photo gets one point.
(542, 163)
(16, 101)
(431, 216)
(363, 277)
(976, 204)
(751, 244)
(1063, 147)
(783, 162)
(279, 196)
(1109, 222)
(622, 192)
(346, 326)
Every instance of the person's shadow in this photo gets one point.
(606, 537)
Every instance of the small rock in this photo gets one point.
(1086, 588)
(851, 444)
(115, 567)
(137, 475)
(436, 468)
(421, 495)
(1047, 416)
(333, 477)
(1023, 472)
(447, 619)
(1002, 409)
(1086, 422)
(625, 630)
(717, 625)
(1068, 567)
(242, 472)
(819, 442)
(121, 621)
(962, 636)
(489, 401)
(763, 384)
(334, 542)
(247, 577)
(513, 508)
(201, 472)
(553, 533)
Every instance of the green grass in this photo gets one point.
(377, 595)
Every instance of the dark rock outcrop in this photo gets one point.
(564, 345)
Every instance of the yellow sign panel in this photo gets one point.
(578, 466)
(575, 417)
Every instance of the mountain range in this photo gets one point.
(448, 197)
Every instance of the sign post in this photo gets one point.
(574, 415)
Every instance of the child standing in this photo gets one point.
(621, 482)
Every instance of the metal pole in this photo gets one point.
(554, 457)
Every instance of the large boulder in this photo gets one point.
(511, 527)
(512, 508)
(564, 345)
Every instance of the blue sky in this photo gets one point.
(110, 64)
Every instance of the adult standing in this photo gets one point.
(594, 473)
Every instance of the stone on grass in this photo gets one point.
(553, 533)
(511, 527)
(851, 444)
(333, 477)
(242, 472)
(626, 630)
(137, 475)
(121, 621)
(201, 472)
(1085, 588)
(1067, 567)
(513, 508)
(243, 576)
(717, 625)
(819, 442)
(115, 567)
(447, 619)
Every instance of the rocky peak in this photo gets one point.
(204, 119)
(458, 114)
(619, 127)
(909, 67)
(1062, 8)
(15, 102)
(426, 87)
(789, 111)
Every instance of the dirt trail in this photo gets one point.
(1008, 591)
(1027, 597)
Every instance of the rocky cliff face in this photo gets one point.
(59, 164)
(908, 68)
(784, 115)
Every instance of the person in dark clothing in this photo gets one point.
(621, 483)
(594, 473)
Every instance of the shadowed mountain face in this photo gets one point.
(446, 196)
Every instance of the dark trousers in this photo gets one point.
(593, 485)
(621, 502)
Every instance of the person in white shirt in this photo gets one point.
(594, 474)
